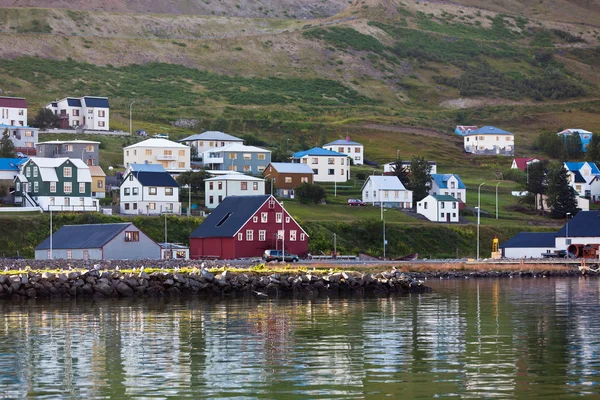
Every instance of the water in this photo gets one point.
(508, 338)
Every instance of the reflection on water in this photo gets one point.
(510, 338)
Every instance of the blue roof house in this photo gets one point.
(581, 175)
(449, 185)
(585, 136)
(490, 140)
(327, 165)
(148, 191)
(352, 149)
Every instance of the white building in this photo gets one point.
(490, 140)
(327, 165)
(581, 175)
(390, 168)
(439, 208)
(220, 187)
(149, 193)
(354, 150)
(210, 139)
(449, 185)
(88, 112)
(13, 111)
(174, 157)
(386, 189)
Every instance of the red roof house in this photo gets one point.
(246, 226)
(522, 162)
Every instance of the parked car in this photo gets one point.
(275, 255)
(162, 135)
(356, 202)
(141, 132)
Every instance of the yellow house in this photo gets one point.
(98, 182)
(174, 157)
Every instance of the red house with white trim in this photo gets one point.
(246, 226)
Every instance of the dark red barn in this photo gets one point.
(246, 226)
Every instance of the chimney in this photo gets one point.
(347, 138)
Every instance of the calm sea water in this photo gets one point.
(508, 338)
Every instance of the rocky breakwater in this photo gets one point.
(114, 284)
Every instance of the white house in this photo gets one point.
(88, 112)
(218, 188)
(354, 150)
(490, 140)
(210, 139)
(149, 193)
(439, 208)
(450, 185)
(327, 165)
(174, 157)
(580, 175)
(386, 189)
(13, 111)
(390, 168)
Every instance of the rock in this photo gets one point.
(168, 282)
(132, 282)
(207, 275)
(73, 275)
(143, 275)
(31, 293)
(24, 279)
(87, 289)
(3, 279)
(104, 288)
(124, 289)
(62, 278)
(179, 278)
(226, 275)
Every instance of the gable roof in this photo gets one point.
(13, 102)
(342, 142)
(11, 164)
(90, 236)
(96, 170)
(531, 239)
(98, 102)
(578, 177)
(441, 180)
(146, 167)
(488, 130)
(522, 162)
(230, 216)
(235, 177)
(443, 197)
(157, 142)
(47, 167)
(318, 151)
(212, 135)
(73, 102)
(584, 224)
(385, 182)
(238, 148)
(292, 168)
(161, 179)
(576, 166)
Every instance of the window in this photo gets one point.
(442, 215)
(254, 185)
(508, 139)
(454, 205)
(220, 198)
(210, 186)
(262, 235)
(135, 206)
(127, 192)
(67, 172)
(220, 185)
(152, 206)
(148, 152)
(302, 237)
(454, 215)
(28, 172)
(340, 150)
(35, 172)
(288, 179)
(262, 156)
(89, 148)
(69, 254)
(211, 144)
(264, 217)
(342, 171)
(86, 255)
(232, 156)
(36, 187)
(90, 111)
(240, 236)
(131, 177)
(76, 113)
(481, 138)
(304, 179)
(497, 138)
(67, 187)
(249, 235)
(247, 168)
(292, 236)
(134, 191)
(169, 207)
(127, 206)
(81, 187)
(396, 194)
(211, 199)
(458, 195)
(132, 236)
(315, 171)
(28, 133)
(260, 168)
(52, 187)
(331, 161)
(255, 219)
(169, 191)
(330, 172)
(452, 185)
(152, 191)
(357, 149)
(315, 160)
(68, 147)
(181, 153)
(247, 156)
(442, 204)
(425, 205)
(244, 185)
(100, 184)
(278, 217)
(101, 124)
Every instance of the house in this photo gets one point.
(439, 208)
(210, 139)
(9, 169)
(149, 193)
(354, 150)
(387, 190)
(24, 138)
(463, 130)
(119, 241)
(237, 157)
(327, 165)
(580, 175)
(583, 229)
(174, 157)
(60, 184)
(490, 140)
(595, 190)
(523, 163)
(390, 168)
(450, 185)
(174, 251)
(88, 112)
(585, 136)
(98, 182)
(246, 226)
(87, 150)
(288, 176)
(220, 187)
(13, 111)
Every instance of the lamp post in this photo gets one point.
(50, 257)
(130, 118)
(478, 215)
(477, 208)
(567, 238)
(497, 199)
(384, 241)
(165, 228)
(189, 210)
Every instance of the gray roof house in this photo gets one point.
(87, 150)
(119, 241)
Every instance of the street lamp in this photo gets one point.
(497, 199)
(478, 210)
(478, 215)
(567, 238)
(130, 118)
(50, 207)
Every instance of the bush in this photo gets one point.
(310, 193)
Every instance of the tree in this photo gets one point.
(310, 193)
(551, 144)
(194, 179)
(561, 196)
(420, 178)
(279, 155)
(573, 146)
(401, 172)
(593, 149)
(45, 119)
(7, 147)
(536, 183)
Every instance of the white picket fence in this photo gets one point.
(19, 209)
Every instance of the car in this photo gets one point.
(275, 255)
(141, 132)
(356, 202)
(162, 135)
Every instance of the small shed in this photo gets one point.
(174, 251)
(439, 208)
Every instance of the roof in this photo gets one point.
(292, 168)
(385, 182)
(99, 102)
(489, 130)
(161, 179)
(90, 236)
(464, 128)
(237, 148)
(5, 126)
(584, 224)
(531, 239)
(70, 142)
(523, 161)
(146, 167)
(96, 170)
(578, 177)
(11, 164)
(229, 216)
(318, 151)
(212, 135)
(574, 130)
(235, 177)
(157, 142)
(442, 180)
(342, 141)
(13, 102)
(48, 167)
(73, 102)
(576, 166)
(443, 197)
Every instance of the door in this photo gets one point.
(447, 217)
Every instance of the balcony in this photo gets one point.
(213, 160)
(166, 157)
